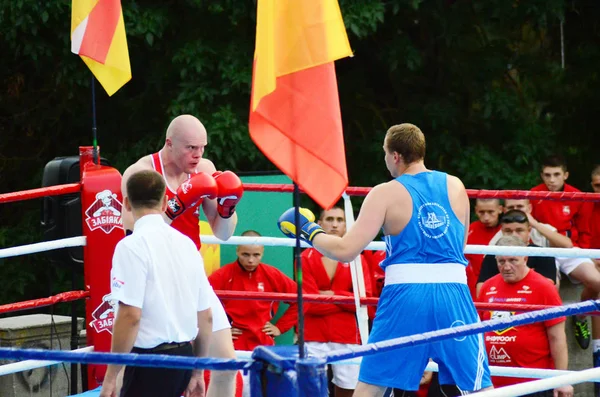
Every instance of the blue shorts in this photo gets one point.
(407, 309)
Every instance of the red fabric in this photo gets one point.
(525, 346)
(100, 30)
(478, 235)
(239, 383)
(299, 128)
(327, 322)
(595, 226)
(570, 218)
(187, 223)
(373, 259)
(251, 316)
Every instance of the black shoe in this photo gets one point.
(582, 332)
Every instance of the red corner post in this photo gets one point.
(101, 206)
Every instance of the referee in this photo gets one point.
(163, 297)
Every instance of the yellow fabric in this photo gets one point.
(116, 71)
(294, 35)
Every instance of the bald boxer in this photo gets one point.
(193, 182)
(424, 215)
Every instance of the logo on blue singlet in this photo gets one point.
(433, 220)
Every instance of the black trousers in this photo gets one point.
(158, 382)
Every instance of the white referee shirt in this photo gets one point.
(159, 270)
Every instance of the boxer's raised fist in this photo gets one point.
(190, 192)
(230, 192)
(308, 228)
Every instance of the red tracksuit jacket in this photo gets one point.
(327, 322)
(251, 316)
(570, 218)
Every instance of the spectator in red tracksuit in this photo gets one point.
(251, 320)
(595, 243)
(595, 218)
(377, 274)
(570, 218)
(480, 233)
(332, 326)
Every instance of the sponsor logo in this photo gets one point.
(104, 315)
(499, 338)
(186, 186)
(433, 220)
(501, 316)
(116, 283)
(499, 355)
(105, 212)
(491, 292)
(458, 323)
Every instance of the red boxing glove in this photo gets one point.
(230, 192)
(199, 186)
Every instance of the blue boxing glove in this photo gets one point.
(308, 228)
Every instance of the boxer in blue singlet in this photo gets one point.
(425, 216)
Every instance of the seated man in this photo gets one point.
(538, 345)
(579, 270)
(481, 231)
(251, 319)
(516, 223)
(332, 326)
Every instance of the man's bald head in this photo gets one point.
(183, 125)
(184, 143)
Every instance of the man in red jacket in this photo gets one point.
(570, 218)
(252, 320)
(330, 326)
(480, 233)
(595, 218)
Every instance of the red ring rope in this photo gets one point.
(473, 193)
(35, 303)
(341, 299)
(40, 192)
(352, 191)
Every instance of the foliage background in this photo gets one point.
(483, 79)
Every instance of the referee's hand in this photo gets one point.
(196, 387)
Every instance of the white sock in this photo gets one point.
(596, 345)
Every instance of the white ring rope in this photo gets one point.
(543, 384)
(27, 365)
(380, 246)
(43, 246)
(513, 372)
(287, 242)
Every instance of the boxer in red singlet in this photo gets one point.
(191, 182)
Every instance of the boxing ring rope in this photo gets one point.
(41, 357)
(28, 365)
(472, 193)
(351, 191)
(155, 360)
(43, 246)
(348, 300)
(380, 246)
(35, 303)
(512, 372)
(40, 192)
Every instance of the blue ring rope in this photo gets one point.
(463, 330)
(133, 359)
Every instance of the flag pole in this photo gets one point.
(298, 261)
(94, 126)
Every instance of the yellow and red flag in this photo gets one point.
(295, 115)
(98, 36)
